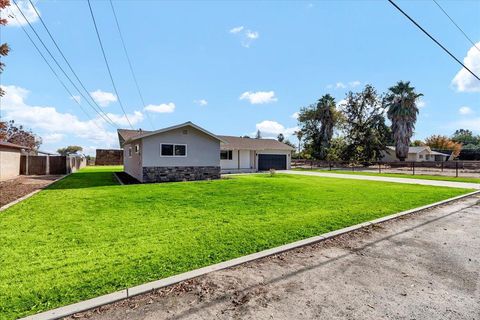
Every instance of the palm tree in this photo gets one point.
(401, 101)
(299, 135)
(326, 116)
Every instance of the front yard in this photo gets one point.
(86, 235)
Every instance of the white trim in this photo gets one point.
(137, 148)
(173, 144)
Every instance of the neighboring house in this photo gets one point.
(10, 159)
(189, 152)
(415, 154)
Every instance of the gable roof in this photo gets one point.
(413, 149)
(126, 134)
(239, 143)
(12, 145)
(132, 135)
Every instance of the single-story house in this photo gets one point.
(415, 154)
(189, 152)
(10, 159)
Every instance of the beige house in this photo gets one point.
(189, 152)
(415, 154)
(10, 160)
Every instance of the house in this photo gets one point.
(189, 152)
(10, 159)
(415, 154)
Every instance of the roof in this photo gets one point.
(131, 135)
(439, 153)
(413, 149)
(239, 143)
(125, 134)
(12, 145)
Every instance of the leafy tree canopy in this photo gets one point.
(69, 150)
(10, 132)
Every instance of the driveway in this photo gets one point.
(439, 183)
(422, 266)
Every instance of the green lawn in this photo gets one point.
(396, 175)
(86, 236)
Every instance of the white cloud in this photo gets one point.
(354, 84)
(342, 85)
(421, 103)
(270, 129)
(161, 108)
(53, 125)
(103, 98)
(201, 102)
(52, 137)
(236, 29)
(247, 36)
(28, 11)
(465, 110)
(295, 115)
(468, 123)
(259, 97)
(76, 98)
(464, 81)
(133, 118)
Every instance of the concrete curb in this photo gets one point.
(8, 205)
(148, 287)
(118, 179)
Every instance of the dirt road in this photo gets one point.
(424, 266)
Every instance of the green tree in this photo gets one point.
(17, 134)
(466, 137)
(280, 137)
(299, 135)
(317, 124)
(69, 150)
(258, 135)
(366, 134)
(4, 48)
(401, 101)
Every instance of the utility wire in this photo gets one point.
(130, 63)
(106, 63)
(433, 39)
(69, 65)
(456, 25)
(58, 65)
(55, 73)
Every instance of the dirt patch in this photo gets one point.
(11, 190)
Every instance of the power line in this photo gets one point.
(55, 73)
(456, 25)
(433, 39)
(58, 65)
(69, 65)
(129, 63)
(106, 63)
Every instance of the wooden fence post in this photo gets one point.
(413, 167)
(456, 169)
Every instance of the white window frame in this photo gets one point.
(137, 148)
(129, 152)
(174, 144)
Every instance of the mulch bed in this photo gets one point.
(11, 190)
(126, 178)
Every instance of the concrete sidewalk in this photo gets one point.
(421, 266)
(438, 183)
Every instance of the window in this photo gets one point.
(226, 155)
(173, 150)
(420, 156)
(130, 152)
(137, 148)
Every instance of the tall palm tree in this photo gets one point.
(401, 101)
(299, 135)
(326, 116)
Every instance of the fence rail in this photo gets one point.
(446, 168)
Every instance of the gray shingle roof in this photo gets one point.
(238, 143)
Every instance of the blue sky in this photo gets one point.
(235, 67)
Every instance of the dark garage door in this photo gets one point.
(272, 161)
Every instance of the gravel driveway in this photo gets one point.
(424, 266)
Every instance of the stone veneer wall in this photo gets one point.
(170, 174)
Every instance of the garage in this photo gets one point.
(272, 161)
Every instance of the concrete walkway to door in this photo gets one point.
(439, 183)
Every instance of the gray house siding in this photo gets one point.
(133, 164)
(202, 160)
